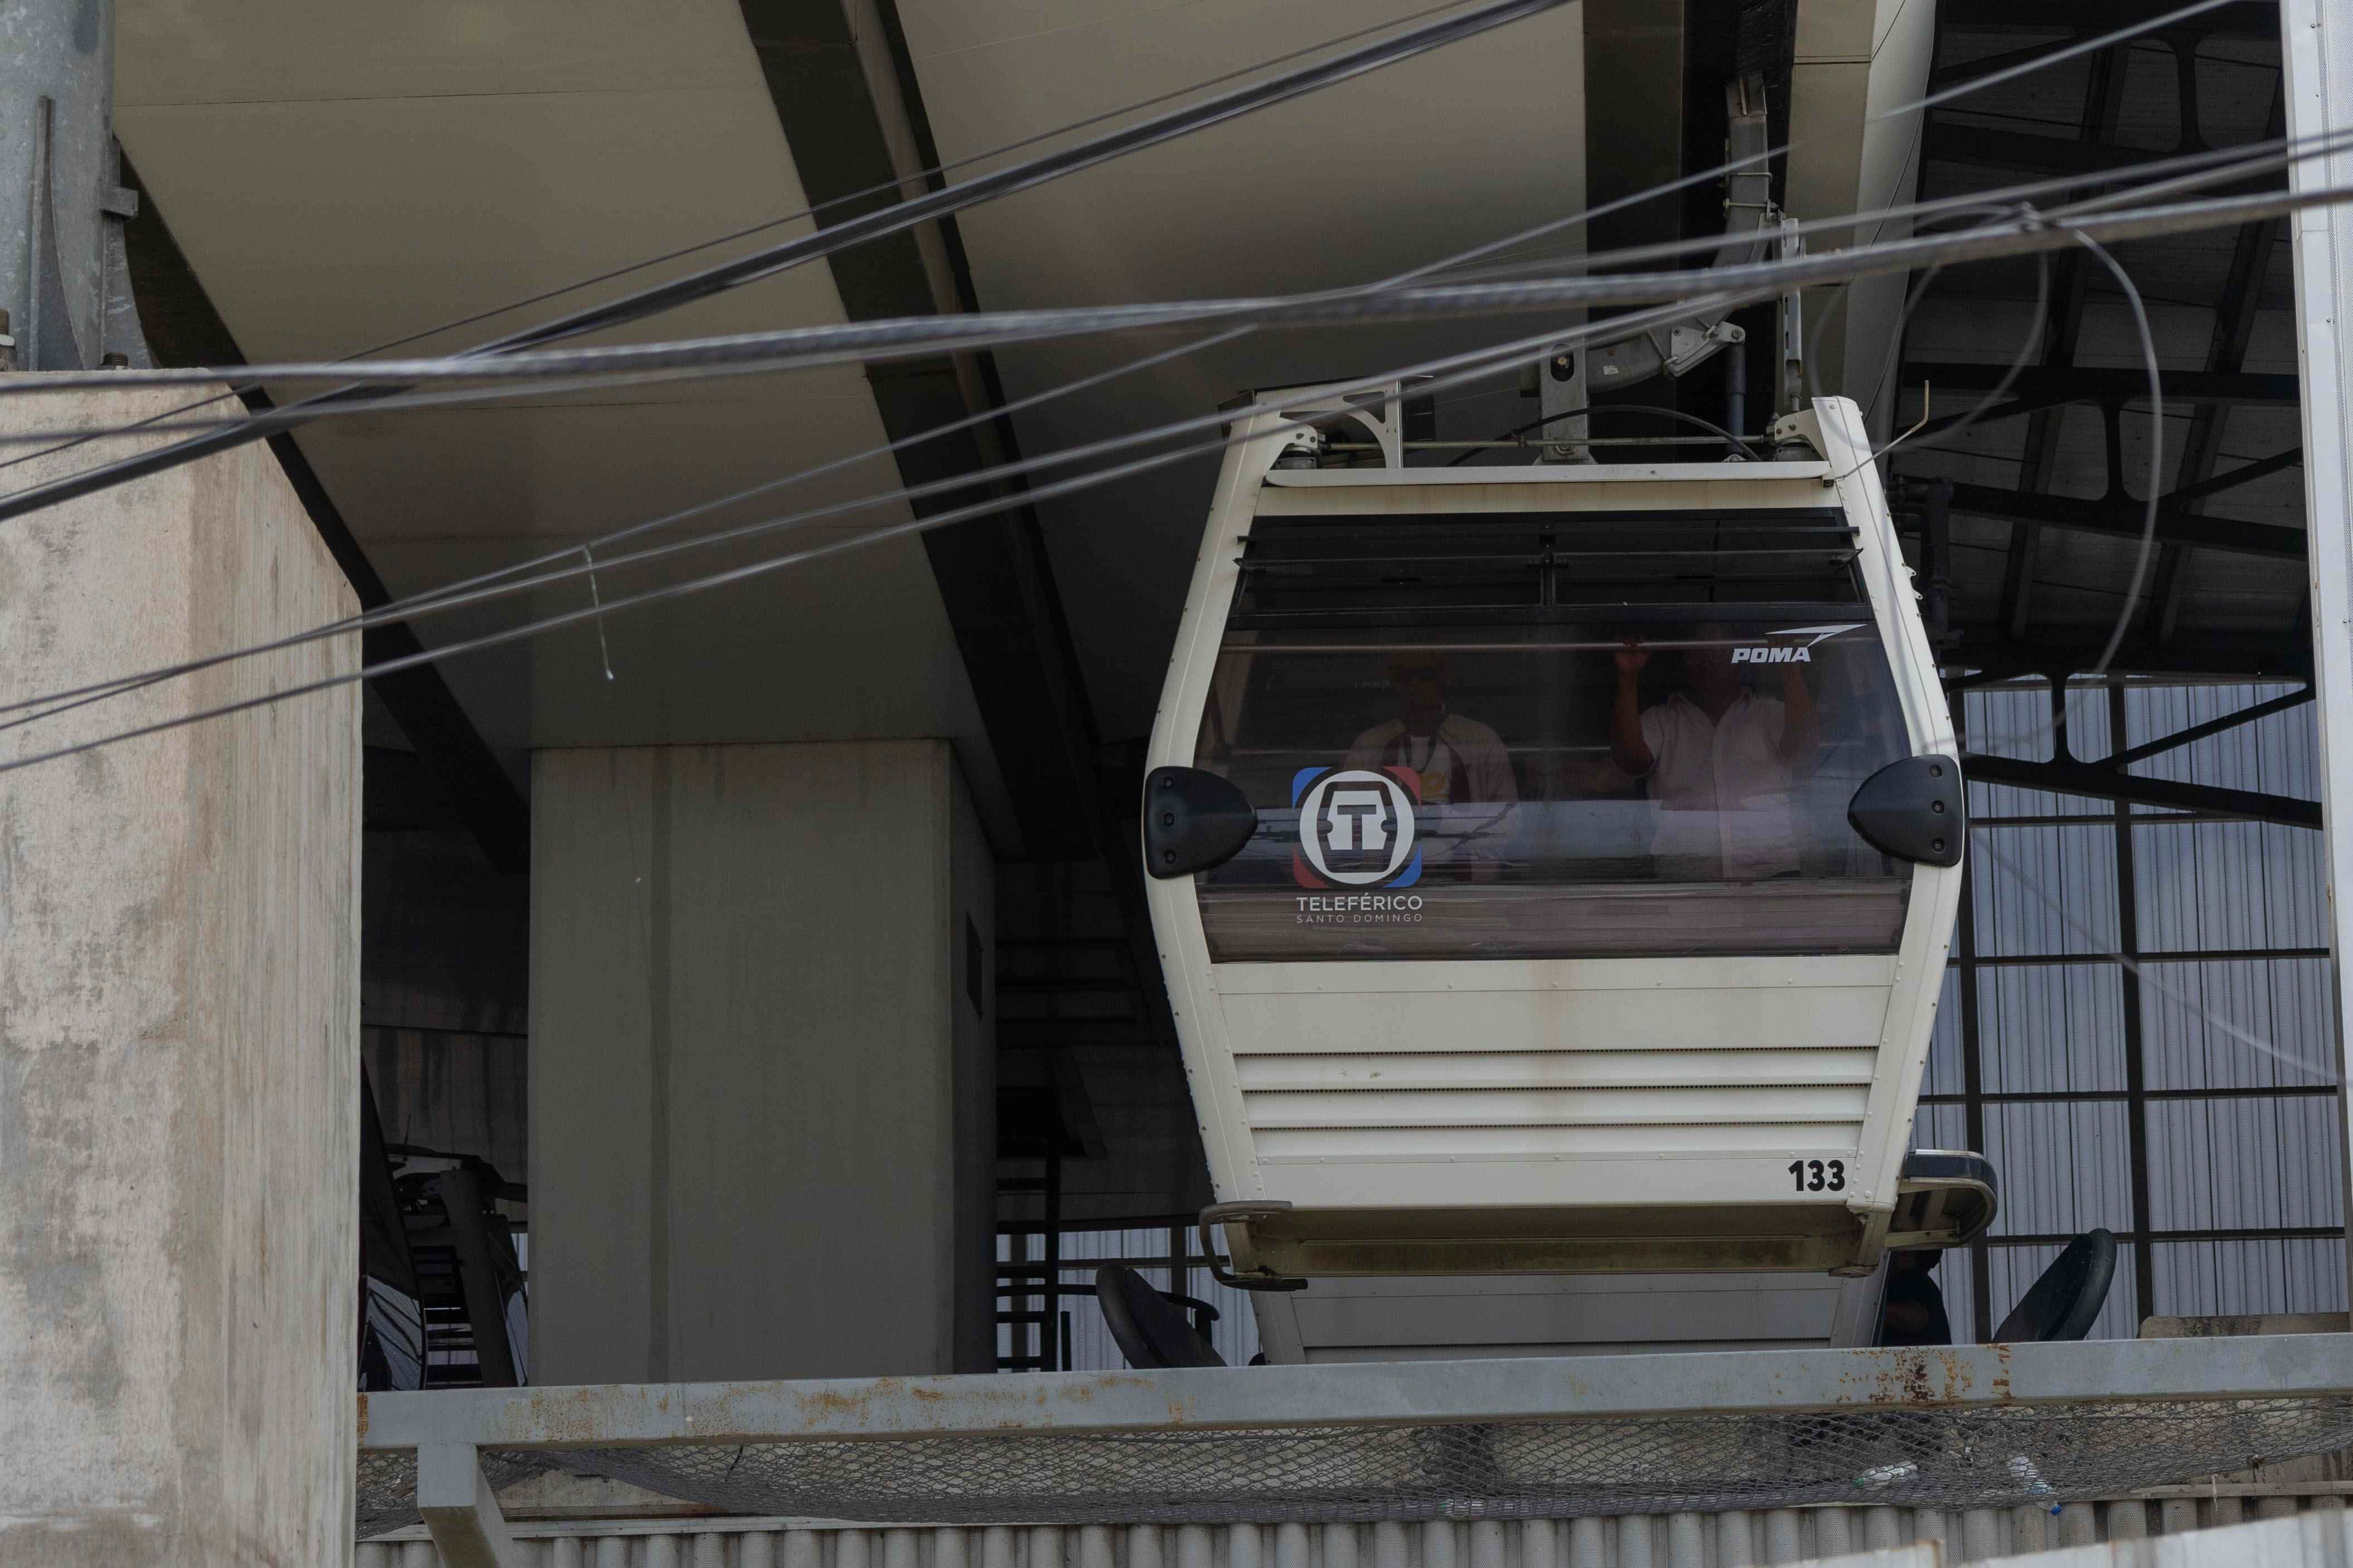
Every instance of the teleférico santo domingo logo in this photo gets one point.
(1355, 827)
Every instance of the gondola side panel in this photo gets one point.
(1176, 911)
(1936, 891)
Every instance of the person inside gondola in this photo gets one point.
(1717, 759)
(1458, 760)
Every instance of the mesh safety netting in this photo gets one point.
(1977, 1458)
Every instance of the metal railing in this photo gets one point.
(1492, 1463)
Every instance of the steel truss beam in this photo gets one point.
(1984, 658)
(2090, 384)
(2099, 781)
(1981, 147)
(2180, 738)
(848, 91)
(2248, 18)
(2124, 516)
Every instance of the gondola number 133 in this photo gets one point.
(1814, 1176)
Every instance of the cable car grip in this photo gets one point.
(1915, 809)
(1193, 820)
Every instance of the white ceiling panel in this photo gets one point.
(1353, 183)
(338, 173)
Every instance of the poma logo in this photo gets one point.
(1798, 653)
(1355, 827)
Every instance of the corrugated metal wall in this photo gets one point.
(1731, 1540)
(2189, 1093)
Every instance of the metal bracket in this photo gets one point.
(1792, 388)
(1302, 449)
(461, 1511)
(1381, 412)
(1674, 350)
(1687, 346)
(1218, 1214)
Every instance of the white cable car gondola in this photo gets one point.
(1554, 869)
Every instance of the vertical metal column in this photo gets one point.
(2135, 1062)
(1972, 1059)
(59, 205)
(1050, 1348)
(2317, 52)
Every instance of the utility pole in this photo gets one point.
(64, 281)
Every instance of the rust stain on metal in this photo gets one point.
(579, 1416)
(1921, 1377)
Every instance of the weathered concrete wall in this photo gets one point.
(178, 1029)
(761, 1102)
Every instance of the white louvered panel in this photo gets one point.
(1557, 1107)
(1286, 1143)
(1563, 1069)
(1713, 1067)
(1446, 1020)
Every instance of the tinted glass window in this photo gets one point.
(1513, 740)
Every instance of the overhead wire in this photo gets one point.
(770, 260)
(646, 301)
(1464, 367)
(2192, 171)
(566, 566)
(1982, 841)
(2156, 447)
(1958, 89)
(2185, 172)
(2019, 234)
(1378, 391)
(132, 682)
(879, 188)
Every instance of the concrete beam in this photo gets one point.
(461, 1511)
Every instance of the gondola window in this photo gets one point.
(1539, 736)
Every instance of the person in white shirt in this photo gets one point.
(1457, 758)
(1719, 760)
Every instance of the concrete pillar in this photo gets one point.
(762, 1088)
(179, 1013)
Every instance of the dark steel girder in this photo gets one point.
(2128, 518)
(990, 572)
(2087, 384)
(2180, 738)
(2248, 18)
(1980, 147)
(994, 579)
(2097, 781)
(1984, 657)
